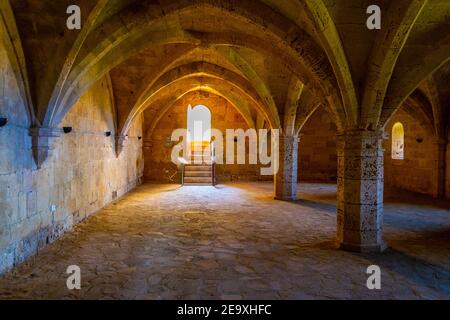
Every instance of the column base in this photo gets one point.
(286, 198)
(377, 248)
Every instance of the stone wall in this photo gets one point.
(415, 172)
(82, 176)
(158, 148)
(447, 181)
(317, 149)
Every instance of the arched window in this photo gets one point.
(199, 124)
(398, 142)
(199, 132)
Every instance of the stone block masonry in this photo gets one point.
(360, 191)
(418, 171)
(158, 148)
(82, 175)
(317, 160)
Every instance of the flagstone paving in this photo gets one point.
(235, 242)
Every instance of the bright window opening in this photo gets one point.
(398, 142)
(199, 125)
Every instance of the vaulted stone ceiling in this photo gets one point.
(275, 61)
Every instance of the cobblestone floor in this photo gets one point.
(234, 241)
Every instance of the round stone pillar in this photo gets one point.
(360, 191)
(286, 177)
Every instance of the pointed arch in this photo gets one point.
(288, 43)
(158, 111)
(10, 38)
(398, 141)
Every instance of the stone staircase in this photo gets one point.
(200, 171)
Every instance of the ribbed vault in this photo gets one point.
(276, 61)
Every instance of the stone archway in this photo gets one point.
(199, 127)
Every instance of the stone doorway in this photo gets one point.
(200, 169)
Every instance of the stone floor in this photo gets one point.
(234, 241)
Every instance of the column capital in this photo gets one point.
(147, 143)
(358, 142)
(441, 141)
(288, 138)
(48, 132)
(357, 132)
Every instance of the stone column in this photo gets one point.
(440, 169)
(286, 178)
(360, 191)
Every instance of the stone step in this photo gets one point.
(193, 167)
(200, 162)
(198, 174)
(203, 151)
(198, 180)
(193, 156)
(197, 184)
(200, 151)
(200, 157)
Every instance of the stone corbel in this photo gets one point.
(120, 144)
(442, 142)
(147, 144)
(42, 140)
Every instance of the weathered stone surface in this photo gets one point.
(78, 178)
(317, 159)
(159, 166)
(286, 178)
(257, 64)
(166, 242)
(417, 171)
(360, 195)
(42, 141)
